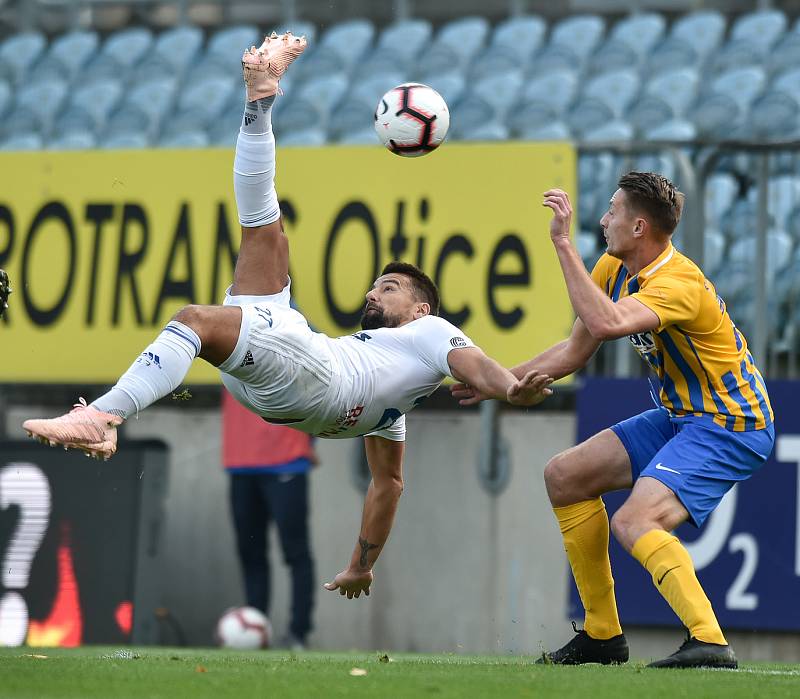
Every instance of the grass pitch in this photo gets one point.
(153, 673)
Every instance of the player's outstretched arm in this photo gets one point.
(385, 458)
(472, 367)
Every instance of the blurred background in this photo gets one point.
(706, 93)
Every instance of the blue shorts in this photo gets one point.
(694, 457)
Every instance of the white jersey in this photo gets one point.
(341, 387)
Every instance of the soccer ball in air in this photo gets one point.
(412, 119)
(245, 628)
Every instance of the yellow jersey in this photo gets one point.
(700, 357)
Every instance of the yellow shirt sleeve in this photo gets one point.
(673, 298)
(602, 270)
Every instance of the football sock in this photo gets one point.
(157, 371)
(671, 567)
(584, 527)
(254, 166)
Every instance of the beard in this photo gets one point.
(373, 318)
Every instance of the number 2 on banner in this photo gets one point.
(24, 485)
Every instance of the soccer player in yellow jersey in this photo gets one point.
(713, 426)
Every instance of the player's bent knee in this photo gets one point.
(191, 315)
(557, 480)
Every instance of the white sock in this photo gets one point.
(254, 166)
(158, 371)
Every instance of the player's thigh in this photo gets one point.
(217, 327)
(596, 466)
(262, 267)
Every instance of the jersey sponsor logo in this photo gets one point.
(344, 422)
(458, 342)
(643, 343)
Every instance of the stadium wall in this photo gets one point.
(464, 571)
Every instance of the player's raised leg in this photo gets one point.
(575, 480)
(262, 267)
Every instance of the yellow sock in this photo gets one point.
(671, 567)
(584, 527)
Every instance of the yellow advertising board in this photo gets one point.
(104, 247)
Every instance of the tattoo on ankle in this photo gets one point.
(365, 547)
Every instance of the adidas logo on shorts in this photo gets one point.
(248, 359)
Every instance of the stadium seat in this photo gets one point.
(612, 131)
(617, 89)
(356, 111)
(177, 48)
(18, 52)
(67, 55)
(649, 111)
(786, 54)
(227, 45)
(6, 97)
(788, 82)
(581, 33)
(613, 55)
(119, 54)
(76, 118)
(405, 39)
(129, 118)
(551, 131)
(641, 31)
(714, 251)
(470, 115)
(20, 120)
(126, 141)
(783, 197)
(188, 138)
(484, 131)
(304, 137)
(716, 116)
(675, 130)
(224, 130)
(721, 189)
(703, 31)
(501, 91)
(586, 243)
(520, 36)
(339, 50)
(28, 98)
(454, 46)
(678, 88)
(588, 114)
(298, 28)
(544, 98)
(663, 163)
(556, 57)
(774, 116)
(779, 248)
(154, 98)
(741, 221)
(762, 27)
(301, 114)
(22, 141)
(98, 99)
(205, 100)
(671, 54)
(73, 140)
(742, 85)
(361, 137)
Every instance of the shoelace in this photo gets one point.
(80, 405)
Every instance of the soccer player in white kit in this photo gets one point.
(276, 366)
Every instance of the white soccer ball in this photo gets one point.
(412, 119)
(245, 628)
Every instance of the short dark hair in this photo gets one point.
(655, 196)
(424, 288)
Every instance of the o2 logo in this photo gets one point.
(24, 485)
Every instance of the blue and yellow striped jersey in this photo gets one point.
(699, 355)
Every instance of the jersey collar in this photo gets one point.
(658, 263)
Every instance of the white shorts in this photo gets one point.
(280, 369)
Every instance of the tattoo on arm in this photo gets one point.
(365, 547)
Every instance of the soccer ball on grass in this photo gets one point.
(412, 119)
(245, 628)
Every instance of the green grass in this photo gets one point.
(153, 673)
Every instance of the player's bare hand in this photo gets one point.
(558, 201)
(531, 389)
(466, 394)
(351, 583)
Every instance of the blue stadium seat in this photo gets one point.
(742, 85)
(471, 115)
(588, 114)
(721, 189)
(587, 244)
(741, 221)
(582, 33)
(77, 118)
(734, 54)
(6, 97)
(187, 138)
(301, 114)
(703, 31)
(649, 111)
(405, 39)
(788, 82)
(154, 98)
(613, 55)
(304, 137)
(227, 45)
(786, 54)
(617, 89)
(519, 37)
(556, 57)
(339, 50)
(205, 99)
(225, 129)
(449, 85)
(176, 48)
(670, 54)
(22, 141)
(126, 141)
(663, 163)
(782, 199)
(641, 31)
(130, 119)
(717, 116)
(676, 130)
(775, 116)
(356, 112)
(454, 46)
(119, 53)
(18, 52)
(43, 99)
(762, 27)
(20, 120)
(612, 131)
(298, 28)
(779, 249)
(485, 131)
(714, 251)
(325, 91)
(544, 98)
(500, 91)
(551, 131)
(678, 88)
(67, 55)
(73, 140)
(98, 99)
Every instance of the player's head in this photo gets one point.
(645, 205)
(401, 294)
